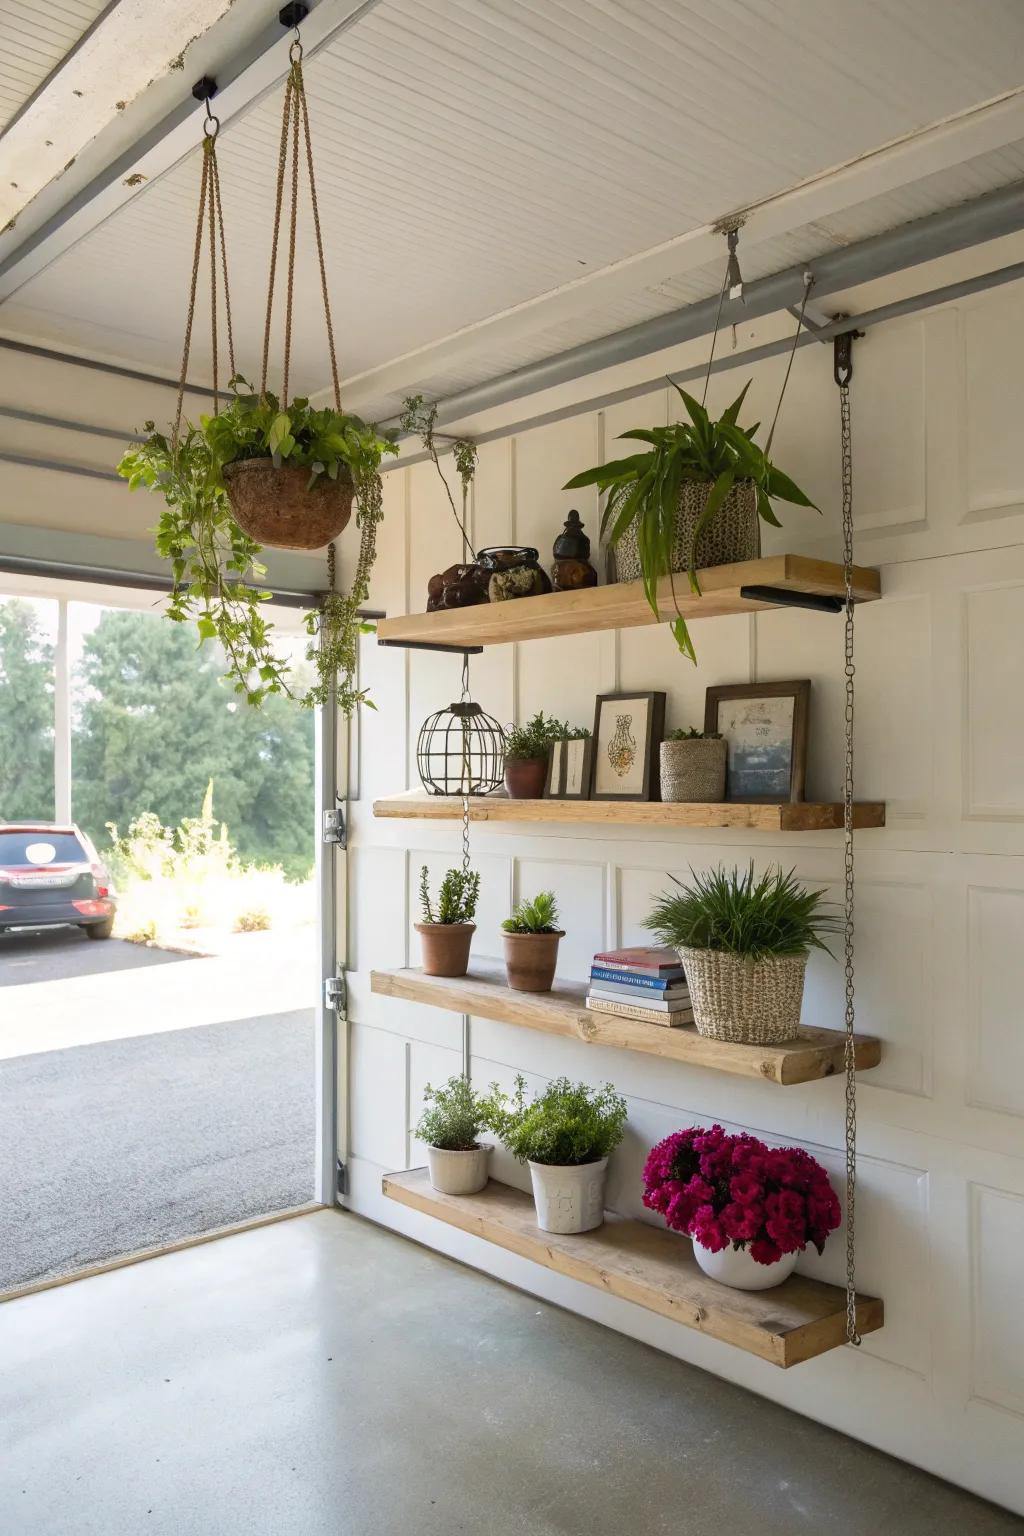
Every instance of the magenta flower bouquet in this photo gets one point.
(723, 1190)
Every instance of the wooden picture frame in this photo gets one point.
(554, 777)
(772, 771)
(569, 768)
(618, 754)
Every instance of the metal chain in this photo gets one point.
(849, 1055)
(466, 766)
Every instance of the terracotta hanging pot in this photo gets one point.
(274, 506)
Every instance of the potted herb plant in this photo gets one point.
(692, 500)
(531, 938)
(447, 933)
(451, 1125)
(526, 753)
(750, 1209)
(565, 1136)
(693, 766)
(744, 943)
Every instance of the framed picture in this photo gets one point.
(765, 728)
(556, 770)
(628, 728)
(568, 776)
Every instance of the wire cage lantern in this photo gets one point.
(461, 751)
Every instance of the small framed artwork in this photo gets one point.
(556, 770)
(765, 728)
(628, 728)
(577, 757)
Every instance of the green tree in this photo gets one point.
(26, 715)
(155, 723)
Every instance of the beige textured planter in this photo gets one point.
(445, 947)
(458, 1173)
(693, 770)
(569, 1199)
(530, 960)
(750, 1002)
(275, 507)
(734, 533)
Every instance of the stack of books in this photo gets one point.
(646, 984)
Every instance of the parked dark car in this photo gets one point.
(51, 875)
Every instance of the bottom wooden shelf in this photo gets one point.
(654, 1268)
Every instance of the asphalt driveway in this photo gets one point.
(57, 954)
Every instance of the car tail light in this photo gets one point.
(101, 877)
(92, 908)
(5, 909)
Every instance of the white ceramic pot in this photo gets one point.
(569, 1199)
(458, 1173)
(734, 1266)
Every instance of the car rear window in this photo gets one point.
(41, 848)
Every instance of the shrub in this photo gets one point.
(457, 898)
(454, 1116)
(566, 1124)
(532, 740)
(537, 916)
(755, 918)
(253, 920)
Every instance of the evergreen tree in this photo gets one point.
(26, 715)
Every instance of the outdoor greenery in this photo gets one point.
(532, 740)
(743, 915)
(565, 1125)
(457, 898)
(537, 916)
(454, 1116)
(693, 735)
(644, 489)
(26, 715)
(215, 566)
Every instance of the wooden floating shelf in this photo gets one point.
(801, 816)
(816, 1053)
(655, 1269)
(622, 605)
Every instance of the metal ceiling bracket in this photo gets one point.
(820, 602)
(842, 352)
(205, 88)
(431, 645)
(291, 15)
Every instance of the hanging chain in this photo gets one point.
(843, 375)
(210, 219)
(467, 768)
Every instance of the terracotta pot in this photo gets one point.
(525, 777)
(445, 947)
(274, 507)
(530, 960)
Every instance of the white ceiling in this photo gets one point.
(475, 154)
(34, 38)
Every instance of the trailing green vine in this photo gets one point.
(336, 626)
(420, 418)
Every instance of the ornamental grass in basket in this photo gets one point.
(733, 1195)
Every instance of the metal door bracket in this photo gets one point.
(336, 994)
(335, 830)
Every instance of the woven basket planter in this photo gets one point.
(273, 506)
(734, 533)
(693, 770)
(749, 1002)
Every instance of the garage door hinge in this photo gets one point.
(336, 994)
(334, 828)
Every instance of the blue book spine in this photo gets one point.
(626, 978)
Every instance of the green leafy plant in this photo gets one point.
(565, 1125)
(419, 418)
(454, 1116)
(456, 900)
(644, 488)
(532, 740)
(754, 917)
(693, 735)
(215, 566)
(537, 916)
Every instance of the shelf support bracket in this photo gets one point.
(818, 601)
(432, 645)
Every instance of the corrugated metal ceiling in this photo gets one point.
(35, 35)
(476, 153)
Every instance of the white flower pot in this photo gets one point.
(458, 1173)
(734, 1266)
(569, 1199)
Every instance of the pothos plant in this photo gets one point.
(215, 566)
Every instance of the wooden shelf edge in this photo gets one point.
(750, 816)
(816, 1054)
(653, 1268)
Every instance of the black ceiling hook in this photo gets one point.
(842, 352)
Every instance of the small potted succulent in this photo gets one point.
(447, 932)
(565, 1136)
(744, 943)
(526, 753)
(750, 1209)
(693, 766)
(531, 938)
(450, 1125)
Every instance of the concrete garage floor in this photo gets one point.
(323, 1377)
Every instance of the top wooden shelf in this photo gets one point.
(622, 605)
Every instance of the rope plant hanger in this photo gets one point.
(263, 470)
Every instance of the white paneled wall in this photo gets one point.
(940, 909)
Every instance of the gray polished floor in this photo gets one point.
(322, 1377)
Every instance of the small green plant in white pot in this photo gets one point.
(531, 938)
(565, 1136)
(450, 1125)
(447, 929)
(693, 767)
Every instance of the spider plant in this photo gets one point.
(755, 918)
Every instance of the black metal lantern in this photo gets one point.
(461, 751)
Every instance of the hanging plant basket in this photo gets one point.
(276, 505)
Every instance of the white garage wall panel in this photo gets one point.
(940, 915)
